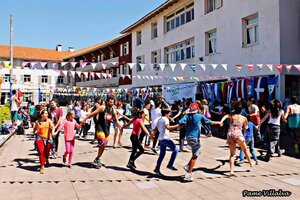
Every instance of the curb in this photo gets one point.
(4, 139)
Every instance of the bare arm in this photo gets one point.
(126, 125)
(144, 128)
(178, 114)
(98, 110)
(265, 117)
(124, 116)
(245, 124)
(288, 112)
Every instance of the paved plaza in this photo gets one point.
(20, 177)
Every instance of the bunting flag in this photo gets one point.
(33, 64)
(65, 72)
(104, 65)
(73, 64)
(297, 67)
(193, 67)
(142, 66)
(93, 65)
(203, 66)
(279, 68)
(260, 66)
(43, 64)
(72, 73)
(24, 64)
(224, 66)
(173, 67)
(183, 65)
(78, 73)
(109, 75)
(288, 68)
(270, 66)
(162, 66)
(83, 64)
(214, 66)
(98, 74)
(53, 64)
(92, 75)
(138, 76)
(114, 63)
(239, 67)
(151, 77)
(271, 86)
(129, 76)
(63, 63)
(104, 75)
(131, 65)
(251, 68)
(86, 74)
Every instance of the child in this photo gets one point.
(138, 125)
(249, 140)
(69, 125)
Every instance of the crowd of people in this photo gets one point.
(152, 119)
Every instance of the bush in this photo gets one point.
(4, 113)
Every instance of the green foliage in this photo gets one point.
(4, 113)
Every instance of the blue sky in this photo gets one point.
(71, 23)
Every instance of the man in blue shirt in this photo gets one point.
(192, 122)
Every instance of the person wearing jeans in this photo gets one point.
(164, 139)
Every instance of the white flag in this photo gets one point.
(162, 66)
(224, 66)
(183, 65)
(131, 65)
(43, 64)
(73, 64)
(203, 66)
(93, 65)
(270, 66)
(104, 65)
(214, 66)
(65, 72)
(173, 66)
(63, 63)
(142, 66)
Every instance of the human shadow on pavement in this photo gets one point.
(21, 161)
(86, 164)
(147, 174)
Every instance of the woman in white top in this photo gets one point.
(275, 114)
(83, 114)
(155, 116)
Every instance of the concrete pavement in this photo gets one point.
(20, 177)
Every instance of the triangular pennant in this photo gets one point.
(53, 64)
(63, 63)
(78, 74)
(131, 65)
(239, 67)
(133, 77)
(92, 75)
(214, 66)
(147, 77)
(104, 75)
(279, 68)
(183, 65)
(73, 64)
(83, 64)
(270, 66)
(72, 73)
(173, 66)
(203, 66)
(297, 67)
(43, 64)
(143, 77)
(86, 74)
(65, 72)
(128, 76)
(24, 64)
(33, 64)
(109, 75)
(155, 77)
(138, 76)
(162, 66)
(122, 76)
(251, 68)
(193, 67)
(93, 65)
(114, 63)
(288, 68)
(260, 66)
(224, 66)
(104, 65)
(98, 74)
(142, 66)
(151, 77)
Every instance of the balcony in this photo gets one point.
(99, 66)
(100, 83)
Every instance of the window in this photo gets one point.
(154, 30)
(139, 60)
(44, 97)
(27, 78)
(211, 5)
(180, 17)
(211, 42)
(138, 37)
(124, 49)
(102, 57)
(251, 30)
(27, 96)
(126, 72)
(60, 80)
(111, 54)
(181, 52)
(155, 59)
(44, 79)
(6, 78)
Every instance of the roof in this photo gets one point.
(30, 53)
(150, 15)
(95, 47)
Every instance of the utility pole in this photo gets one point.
(11, 53)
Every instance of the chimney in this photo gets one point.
(71, 49)
(58, 47)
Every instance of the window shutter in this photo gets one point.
(127, 43)
(121, 50)
(49, 80)
(158, 56)
(218, 4)
(40, 79)
(121, 69)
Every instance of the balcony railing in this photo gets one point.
(114, 81)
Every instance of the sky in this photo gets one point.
(71, 23)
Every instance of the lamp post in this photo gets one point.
(11, 53)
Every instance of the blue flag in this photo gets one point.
(271, 86)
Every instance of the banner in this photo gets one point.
(177, 92)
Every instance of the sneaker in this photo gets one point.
(157, 172)
(256, 162)
(186, 167)
(209, 134)
(131, 165)
(188, 177)
(240, 162)
(172, 168)
(42, 170)
(154, 151)
(281, 151)
(64, 160)
(97, 162)
(70, 166)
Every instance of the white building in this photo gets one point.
(33, 72)
(218, 32)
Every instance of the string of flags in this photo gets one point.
(104, 65)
